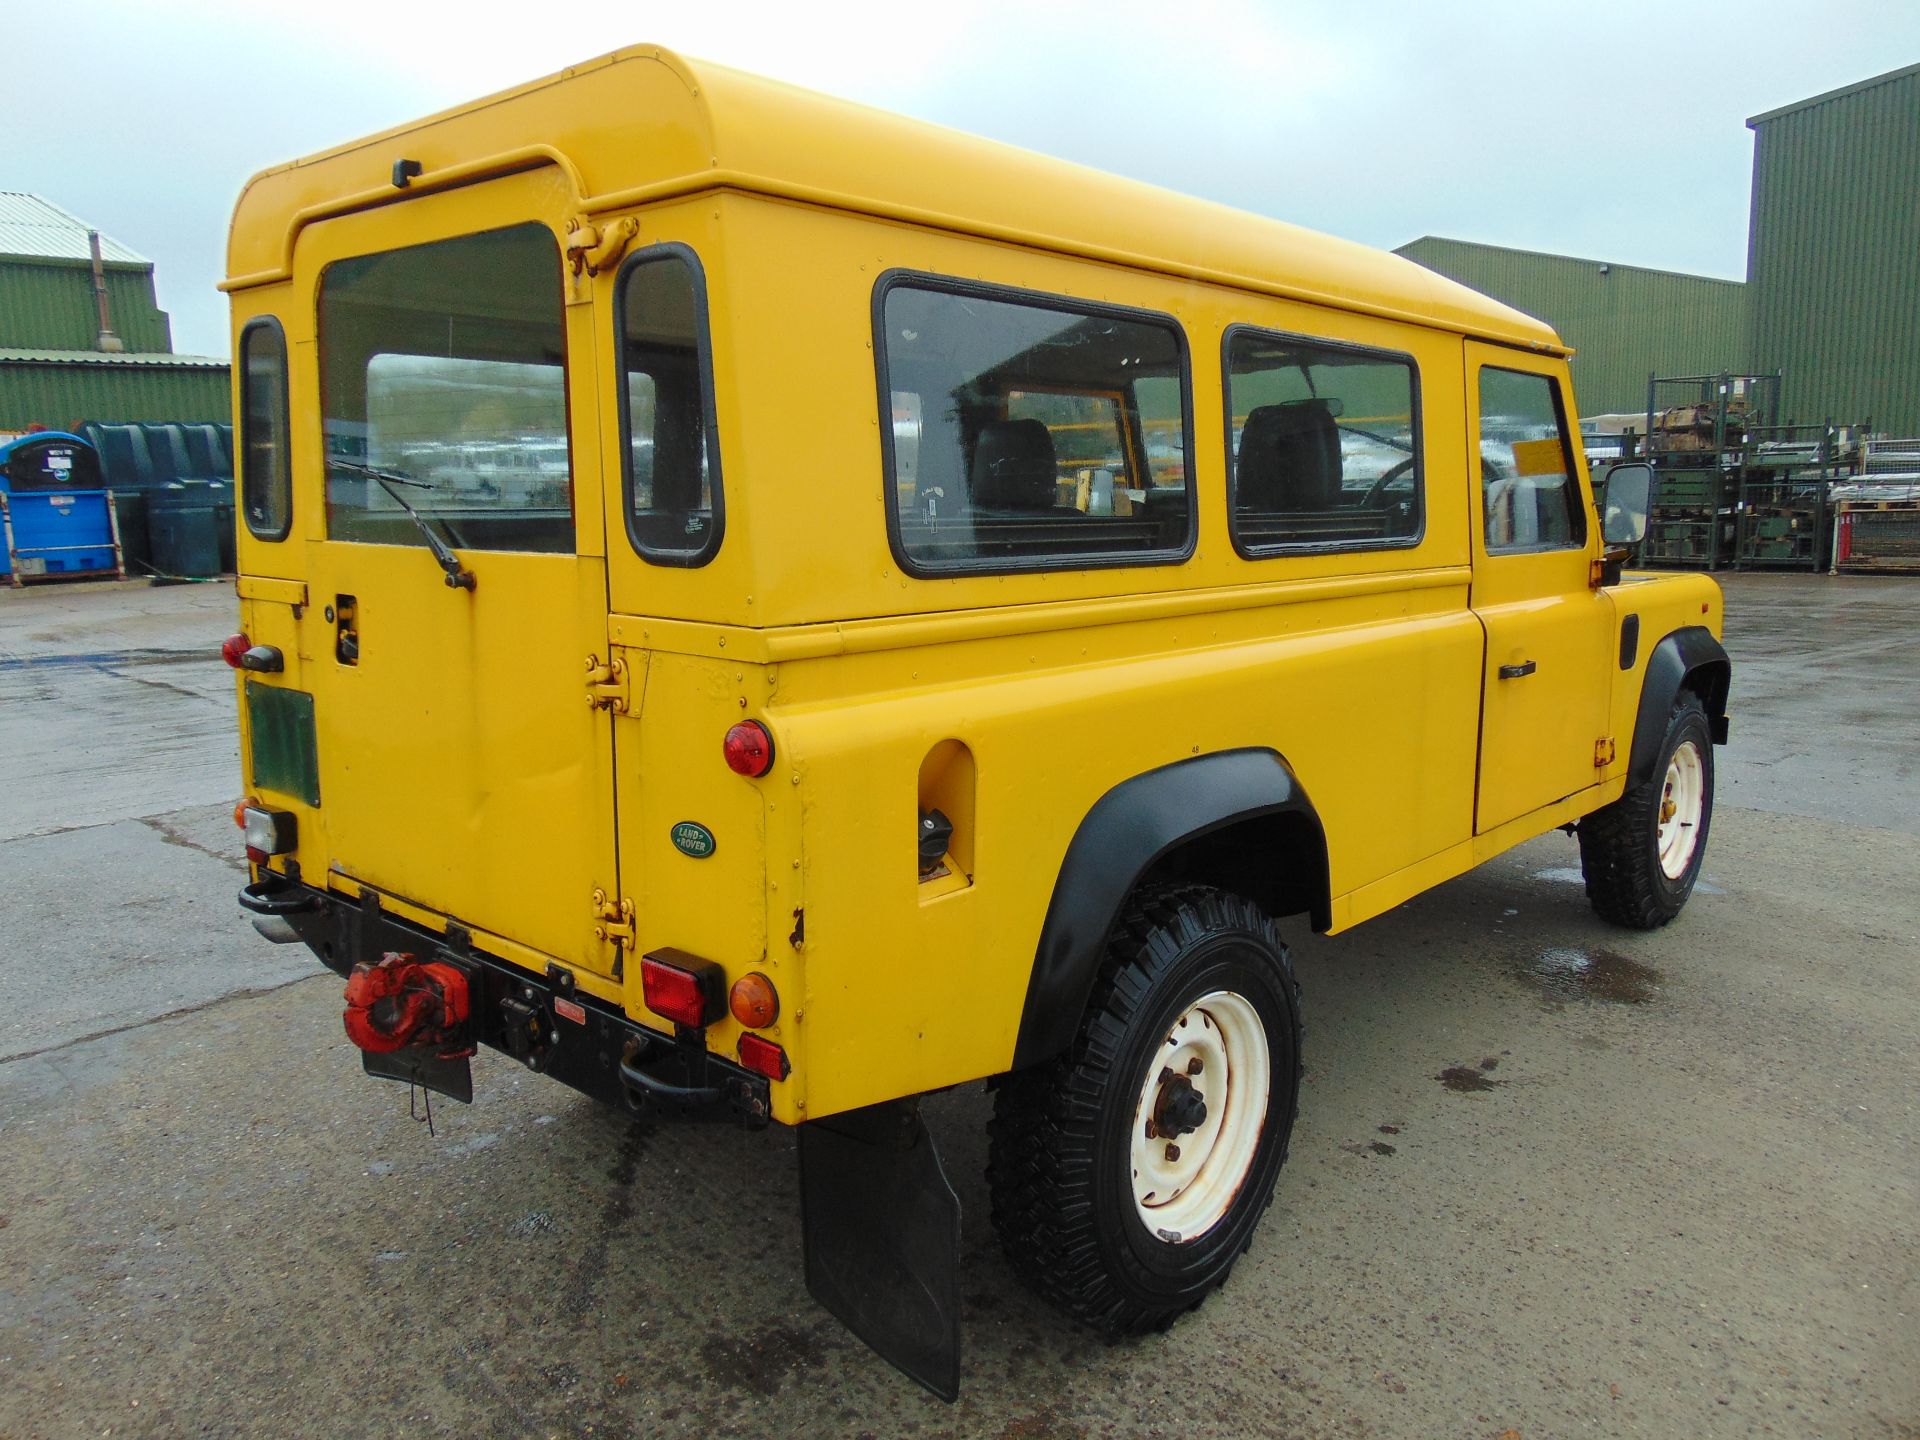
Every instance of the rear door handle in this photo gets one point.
(1516, 672)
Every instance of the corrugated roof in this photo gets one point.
(11, 356)
(34, 226)
(1900, 74)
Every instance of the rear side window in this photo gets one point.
(670, 447)
(1323, 442)
(1529, 496)
(1027, 432)
(444, 365)
(266, 478)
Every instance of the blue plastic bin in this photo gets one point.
(56, 518)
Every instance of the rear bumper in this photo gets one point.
(579, 1041)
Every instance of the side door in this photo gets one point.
(1545, 691)
(460, 766)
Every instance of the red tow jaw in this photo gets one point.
(402, 1002)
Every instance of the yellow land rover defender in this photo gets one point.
(754, 606)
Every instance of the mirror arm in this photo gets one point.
(1608, 569)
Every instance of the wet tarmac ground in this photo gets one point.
(1550, 1178)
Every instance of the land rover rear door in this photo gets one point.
(460, 581)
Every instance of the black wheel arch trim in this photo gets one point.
(1688, 658)
(1136, 827)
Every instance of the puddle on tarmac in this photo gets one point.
(1565, 973)
(1570, 875)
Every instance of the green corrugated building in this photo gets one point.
(1624, 321)
(1833, 252)
(58, 364)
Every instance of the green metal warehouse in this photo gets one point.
(1625, 322)
(1833, 252)
(84, 343)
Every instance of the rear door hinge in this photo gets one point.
(612, 920)
(1603, 752)
(609, 685)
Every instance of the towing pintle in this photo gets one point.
(410, 1020)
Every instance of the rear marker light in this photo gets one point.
(233, 647)
(760, 1054)
(268, 832)
(683, 989)
(749, 749)
(753, 1001)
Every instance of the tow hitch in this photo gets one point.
(409, 1019)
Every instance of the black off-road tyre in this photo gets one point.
(1620, 845)
(1060, 1164)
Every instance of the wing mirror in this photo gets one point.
(1624, 509)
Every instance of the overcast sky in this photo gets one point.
(1609, 131)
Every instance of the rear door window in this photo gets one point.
(1028, 432)
(444, 365)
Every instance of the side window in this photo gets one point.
(1530, 498)
(670, 449)
(266, 478)
(1323, 443)
(1030, 432)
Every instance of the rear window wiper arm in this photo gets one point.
(458, 576)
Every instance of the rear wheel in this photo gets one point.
(1642, 854)
(1129, 1173)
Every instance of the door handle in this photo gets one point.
(1516, 672)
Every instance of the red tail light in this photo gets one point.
(761, 1054)
(749, 749)
(233, 647)
(682, 989)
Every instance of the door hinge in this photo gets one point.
(608, 686)
(1603, 752)
(613, 920)
(592, 248)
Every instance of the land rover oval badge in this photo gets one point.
(692, 838)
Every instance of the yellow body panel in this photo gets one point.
(465, 777)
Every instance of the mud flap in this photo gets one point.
(882, 1236)
(419, 1065)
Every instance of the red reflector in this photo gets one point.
(761, 1054)
(692, 995)
(749, 749)
(257, 855)
(233, 647)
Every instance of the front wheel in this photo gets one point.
(1642, 854)
(1129, 1173)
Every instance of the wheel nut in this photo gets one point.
(1193, 1066)
(1173, 1152)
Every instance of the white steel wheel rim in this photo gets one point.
(1683, 799)
(1219, 1045)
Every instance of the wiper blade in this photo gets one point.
(458, 576)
